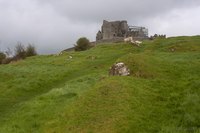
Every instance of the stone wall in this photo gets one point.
(113, 40)
(112, 31)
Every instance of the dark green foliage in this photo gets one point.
(30, 50)
(82, 44)
(2, 57)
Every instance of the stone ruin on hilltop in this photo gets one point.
(118, 30)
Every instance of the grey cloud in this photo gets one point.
(96, 10)
(54, 25)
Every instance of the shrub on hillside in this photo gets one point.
(7, 60)
(2, 57)
(82, 44)
(9, 52)
(20, 52)
(30, 51)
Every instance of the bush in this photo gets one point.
(2, 57)
(82, 44)
(20, 52)
(7, 60)
(30, 51)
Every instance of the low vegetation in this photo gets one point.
(2, 57)
(56, 94)
(30, 50)
(20, 53)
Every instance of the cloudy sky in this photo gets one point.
(53, 25)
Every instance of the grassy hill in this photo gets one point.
(55, 94)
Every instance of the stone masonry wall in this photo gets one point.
(111, 31)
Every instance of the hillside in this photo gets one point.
(56, 94)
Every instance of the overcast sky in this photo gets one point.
(53, 25)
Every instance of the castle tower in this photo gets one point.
(118, 30)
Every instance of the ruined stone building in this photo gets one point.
(118, 30)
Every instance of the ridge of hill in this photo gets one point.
(57, 94)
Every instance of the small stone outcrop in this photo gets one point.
(119, 69)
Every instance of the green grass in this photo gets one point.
(55, 94)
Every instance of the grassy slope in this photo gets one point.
(56, 95)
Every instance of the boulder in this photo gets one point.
(119, 69)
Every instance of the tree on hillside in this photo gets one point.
(20, 52)
(2, 57)
(30, 50)
(82, 44)
(8, 52)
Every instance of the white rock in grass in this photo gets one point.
(119, 69)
